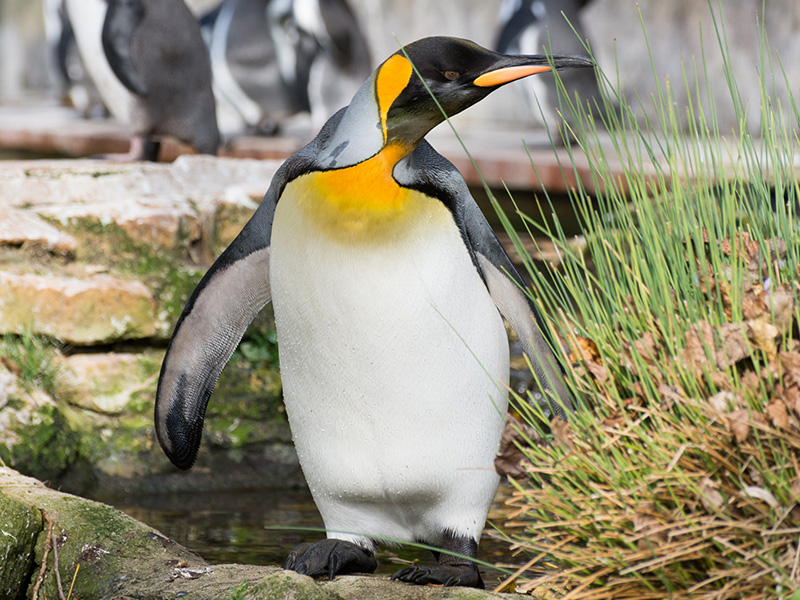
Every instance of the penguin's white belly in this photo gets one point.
(393, 360)
(87, 18)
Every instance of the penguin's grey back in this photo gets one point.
(169, 53)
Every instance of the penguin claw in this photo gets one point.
(298, 550)
(446, 575)
(330, 556)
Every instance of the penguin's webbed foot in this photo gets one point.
(330, 556)
(465, 575)
(454, 565)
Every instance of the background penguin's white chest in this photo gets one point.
(392, 357)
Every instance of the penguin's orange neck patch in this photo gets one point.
(392, 78)
(362, 202)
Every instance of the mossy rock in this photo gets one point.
(229, 219)
(163, 270)
(37, 437)
(111, 555)
(21, 524)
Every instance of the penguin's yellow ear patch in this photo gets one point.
(392, 79)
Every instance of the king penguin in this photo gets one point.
(388, 286)
(86, 18)
(156, 50)
(152, 71)
(533, 26)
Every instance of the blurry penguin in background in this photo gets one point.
(253, 96)
(341, 58)
(275, 58)
(86, 18)
(151, 66)
(537, 26)
(74, 82)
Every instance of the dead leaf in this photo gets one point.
(777, 248)
(618, 418)
(752, 305)
(776, 410)
(599, 372)
(763, 333)
(510, 460)
(562, 433)
(735, 346)
(757, 478)
(795, 489)
(649, 527)
(750, 383)
(742, 247)
(790, 361)
(671, 394)
(721, 380)
(780, 304)
(792, 397)
(638, 388)
(760, 493)
(585, 350)
(710, 496)
(723, 401)
(613, 421)
(698, 347)
(747, 246)
(647, 347)
(738, 421)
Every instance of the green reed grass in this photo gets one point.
(653, 495)
(33, 358)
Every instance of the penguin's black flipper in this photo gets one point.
(429, 172)
(212, 324)
(122, 18)
(506, 286)
(216, 316)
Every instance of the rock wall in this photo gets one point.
(99, 257)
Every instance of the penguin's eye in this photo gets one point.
(451, 75)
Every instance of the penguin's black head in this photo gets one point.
(459, 73)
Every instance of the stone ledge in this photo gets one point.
(122, 558)
(164, 205)
(97, 310)
(23, 228)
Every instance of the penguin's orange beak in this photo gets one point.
(508, 74)
(511, 68)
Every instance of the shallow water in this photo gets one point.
(255, 527)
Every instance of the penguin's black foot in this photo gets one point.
(454, 565)
(333, 557)
(149, 149)
(466, 575)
